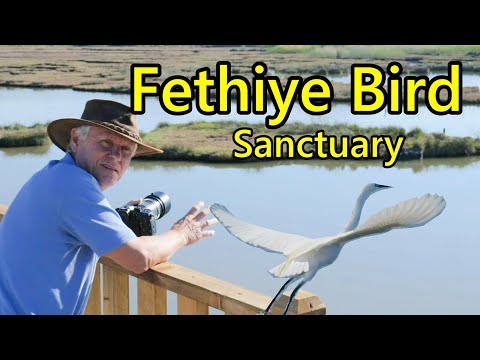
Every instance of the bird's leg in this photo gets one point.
(294, 292)
(282, 289)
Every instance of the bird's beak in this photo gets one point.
(383, 186)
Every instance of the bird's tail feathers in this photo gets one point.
(289, 268)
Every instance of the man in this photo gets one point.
(60, 223)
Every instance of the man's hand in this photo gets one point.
(192, 226)
(141, 253)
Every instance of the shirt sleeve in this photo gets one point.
(90, 219)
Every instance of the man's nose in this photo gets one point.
(116, 152)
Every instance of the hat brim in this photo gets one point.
(59, 132)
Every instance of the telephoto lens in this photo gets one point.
(157, 204)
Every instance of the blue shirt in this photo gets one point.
(51, 237)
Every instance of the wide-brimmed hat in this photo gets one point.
(107, 114)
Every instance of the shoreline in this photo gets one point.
(470, 94)
(212, 142)
(106, 68)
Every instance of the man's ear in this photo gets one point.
(74, 140)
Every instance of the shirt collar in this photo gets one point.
(68, 159)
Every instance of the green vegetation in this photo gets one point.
(212, 141)
(106, 68)
(436, 145)
(375, 51)
(19, 135)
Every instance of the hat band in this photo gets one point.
(122, 130)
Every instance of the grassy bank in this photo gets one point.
(19, 135)
(408, 52)
(212, 141)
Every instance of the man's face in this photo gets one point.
(103, 154)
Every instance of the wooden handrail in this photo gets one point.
(220, 294)
(196, 292)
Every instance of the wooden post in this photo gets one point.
(152, 299)
(115, 292)
(94, 305)
(303, 304)
(187, 306)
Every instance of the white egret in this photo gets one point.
(305, 256)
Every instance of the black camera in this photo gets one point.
(142, 217)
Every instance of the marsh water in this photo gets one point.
(45, 105)
(434, 269)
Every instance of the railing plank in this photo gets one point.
(115, 291)
(217, 293)
(152, 299)
(305, 304)
(187, 306)
(94, 305)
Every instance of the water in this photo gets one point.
(47, 105)
(428, 270)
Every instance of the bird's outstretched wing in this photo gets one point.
(266, 239)
(406, 214)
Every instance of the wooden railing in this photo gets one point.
(196, 292)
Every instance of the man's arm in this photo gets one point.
(141, 253)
